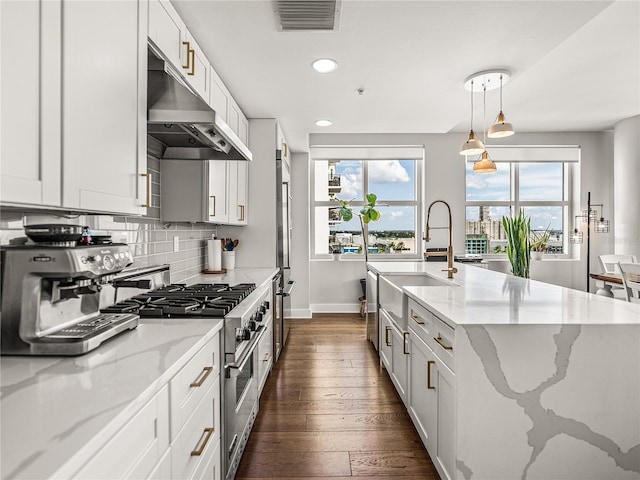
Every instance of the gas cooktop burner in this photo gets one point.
(178, 300)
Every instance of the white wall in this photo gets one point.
(627, 193)
(300, 237)
(334, 285)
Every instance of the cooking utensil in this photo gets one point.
(53, 233)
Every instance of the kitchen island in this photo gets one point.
(59, 413)
(529, 380)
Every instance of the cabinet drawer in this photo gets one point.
(265, 355)
(136, 449)
(191, 383)
(434, 332)
(420, 320)
(443, 337)
(194, 446)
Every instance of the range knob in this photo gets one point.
(253, 325)
(259, 316)
(243, 334)
(263, 309)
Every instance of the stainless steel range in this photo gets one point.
(51, 298)
(246, 310)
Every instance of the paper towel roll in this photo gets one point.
(214, 255)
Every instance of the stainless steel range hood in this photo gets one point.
(187, 127)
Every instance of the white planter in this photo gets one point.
(536, 255)
(228, 259)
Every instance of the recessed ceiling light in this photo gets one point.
(324, 65)
(323, 123)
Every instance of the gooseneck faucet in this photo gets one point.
(450, 268)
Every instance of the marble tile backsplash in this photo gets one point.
(151, 240)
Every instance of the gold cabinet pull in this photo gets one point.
(241, 207)
(441, 343)
(429, 363)
(207, 432)
(192, 54)
(206, 371)
(404, 346)
(386, 336)
(188, 45)
(417, 320)
(148, 197)
(214, 206)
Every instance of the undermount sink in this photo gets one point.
(418, 280)
(392, 299)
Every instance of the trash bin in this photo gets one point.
(363, 298)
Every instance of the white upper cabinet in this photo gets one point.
(104, 106)
(74, 138)
(194, 191)
(168, 33)
(218, 96)
(30, 174)
(197, 68)
(237, 182)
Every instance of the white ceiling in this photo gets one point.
(575, 64)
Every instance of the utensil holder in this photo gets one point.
(228, 259)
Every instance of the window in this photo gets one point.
(350, 173)
(537, 180)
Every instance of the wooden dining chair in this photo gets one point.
(631, 280)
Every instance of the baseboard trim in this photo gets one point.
(335, 307)
(298, 313)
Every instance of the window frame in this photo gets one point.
(570, 184)
(417, 203)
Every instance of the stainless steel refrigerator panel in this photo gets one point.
(372, 308)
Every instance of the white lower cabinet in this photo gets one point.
(265, 355)
(137, 448)
(193, 448)
(431, 388)
(394, 353)
(176, 435)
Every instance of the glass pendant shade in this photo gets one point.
(576, 236)
(602, 226)
(472, 146)
(500, 129)
(484, 164)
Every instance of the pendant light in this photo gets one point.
(472, 146)
(484, 164)
(500, 129)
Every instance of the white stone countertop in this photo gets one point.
(52, 408)
(483, 297)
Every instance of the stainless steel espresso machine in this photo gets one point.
(51, 298)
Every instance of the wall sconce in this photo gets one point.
(589, 216)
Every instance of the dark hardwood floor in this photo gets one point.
(329, 411)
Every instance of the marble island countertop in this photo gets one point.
(55, 408)
(483, 297)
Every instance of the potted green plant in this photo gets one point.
(539, 243)
(518, 230)
(368, 213)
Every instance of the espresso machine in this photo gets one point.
(51, 298)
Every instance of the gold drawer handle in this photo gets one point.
(206, 371)
(214, 206)
(404, 346)
(429, 363)
(208, 431)
(192, 53)
(441, 343)
(241, 207)
(386, 336)
(417, 320)
(148, 198)
(188, 44)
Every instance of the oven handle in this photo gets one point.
(254, 343)
(286, 291)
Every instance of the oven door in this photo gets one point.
(241, 403)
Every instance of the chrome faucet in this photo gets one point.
(450, 268)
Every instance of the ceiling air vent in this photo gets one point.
(306, 15)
